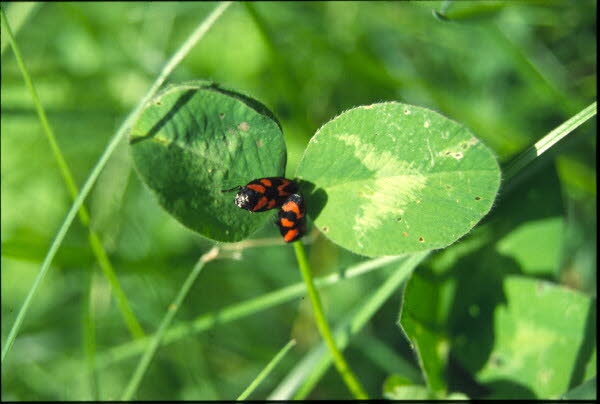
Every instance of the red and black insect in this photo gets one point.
(291, 218)
(264, 193)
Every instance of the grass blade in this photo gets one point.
(175, 59)
(270, 366)
(95, 243)
(19, 12)
(545, 143)
(88, 333)
(240, 310)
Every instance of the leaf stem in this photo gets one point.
(338, 359)
(144, 363)
(360, 318)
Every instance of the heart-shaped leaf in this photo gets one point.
(391, 178)
(195, 140)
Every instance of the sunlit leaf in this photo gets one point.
(392, 178)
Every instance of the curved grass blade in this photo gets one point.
(101, 256)
(173, 62)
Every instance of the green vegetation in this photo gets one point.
(451, 142)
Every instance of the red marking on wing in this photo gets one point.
(262, 202)
(287, 223)
(289, 236)
(258, 188)
(292, 207)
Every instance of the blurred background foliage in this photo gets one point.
(510, 71)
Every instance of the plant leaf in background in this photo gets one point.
(524, 338)
(397, 387)
(392, 178)
(585, 391)
(195, 140)
(544, 337)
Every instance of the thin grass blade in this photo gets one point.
(270, 366)
(173, 62)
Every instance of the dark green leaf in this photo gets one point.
(195, 140)
(521, 338)
(585, 391)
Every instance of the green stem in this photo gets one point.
(362, 316)
(266, 370)
(89, 337)
(144, 363)
(338, 359)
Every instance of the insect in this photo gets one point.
(291, 218)
(263, 194)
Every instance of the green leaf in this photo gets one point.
(392, 178)
(520, 338)
(544, 340)
(535, 245)
(585, 391)
(419, 324)
(195, 140)
(399, 388)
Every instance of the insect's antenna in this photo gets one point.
(234, 188)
